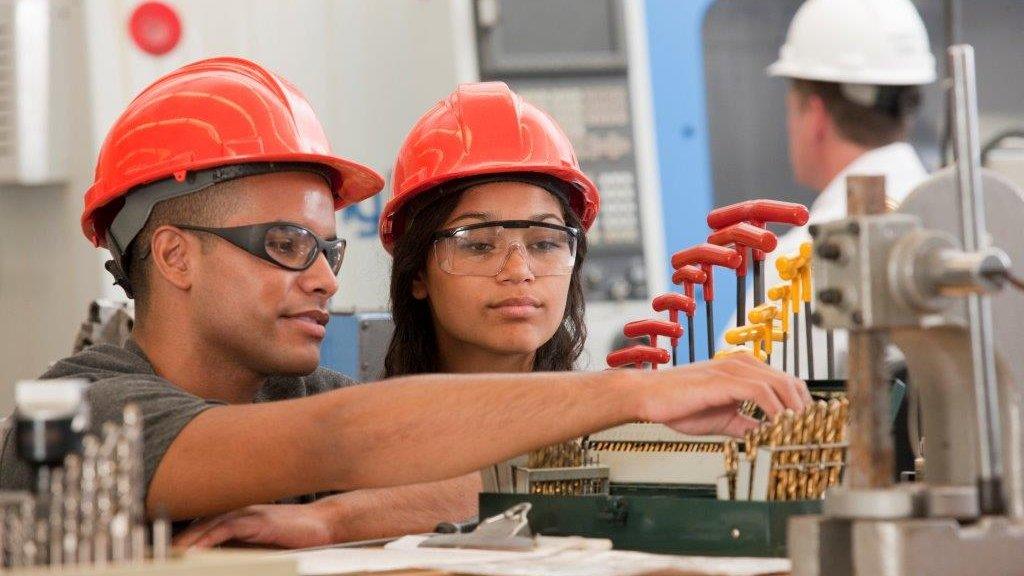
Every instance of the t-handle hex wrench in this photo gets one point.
(675, 303)
(743, 237)
(638, 356)
(707, 256)
(687, 277)
(759, 213)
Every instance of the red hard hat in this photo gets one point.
(483, 129)
(209, 114)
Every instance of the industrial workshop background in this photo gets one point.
(666, 100)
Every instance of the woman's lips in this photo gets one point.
(517, 308)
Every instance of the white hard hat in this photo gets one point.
(881, 42)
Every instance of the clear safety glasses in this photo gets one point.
(284, 244)
(483, 249)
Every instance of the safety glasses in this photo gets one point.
(284, 244)
(483, 249)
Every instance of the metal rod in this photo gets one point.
(810, 340)
(830, 351)
(741, 300)
(785, 352)
(979, 307)
(710, 309)
(674, 355)
(690, 338)
(758, 282)
(871, 446)
(796, 343)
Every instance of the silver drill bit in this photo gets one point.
(16, 538)
(106, 478)
(133, 429)
(72, 499)
(30, 553)
(120, 527)
(90, 449)
(56, 518)
(161, 536)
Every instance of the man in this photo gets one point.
(215, 192)
(855, 67)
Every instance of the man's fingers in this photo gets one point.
(739, 425)
(792, 391)
(200, 534)
(221, 533)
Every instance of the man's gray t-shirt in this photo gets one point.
(120, 376)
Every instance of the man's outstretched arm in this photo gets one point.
(432, 427)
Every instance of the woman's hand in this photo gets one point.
(704, 398)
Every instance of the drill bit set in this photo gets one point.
(563, 469)
(88, 505)
(654, 454)
(795, 456)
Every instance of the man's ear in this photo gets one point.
(173, 255)
(821, 123)
(419, 286)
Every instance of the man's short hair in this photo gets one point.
(206, 207)
(869, 126)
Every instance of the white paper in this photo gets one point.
(570, 557)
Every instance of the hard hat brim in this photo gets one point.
(782, 69)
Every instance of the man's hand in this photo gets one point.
(271, 526)
(356, 515)
(705, 398)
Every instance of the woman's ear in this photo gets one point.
(419, 286)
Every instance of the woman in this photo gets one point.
(487, 228)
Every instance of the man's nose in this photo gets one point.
(320, 278)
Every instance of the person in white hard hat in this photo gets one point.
(855, 68)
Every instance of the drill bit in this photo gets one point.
(56, 518)
(90, 450)
(16, 537)
(133, 430)
(72, 497)
(161, 536)
(106, 479)
(29, 544)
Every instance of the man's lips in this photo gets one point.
(313, 322)
(318, 316)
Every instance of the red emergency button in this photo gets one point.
(155, 27)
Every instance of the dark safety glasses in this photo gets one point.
(284, 244)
